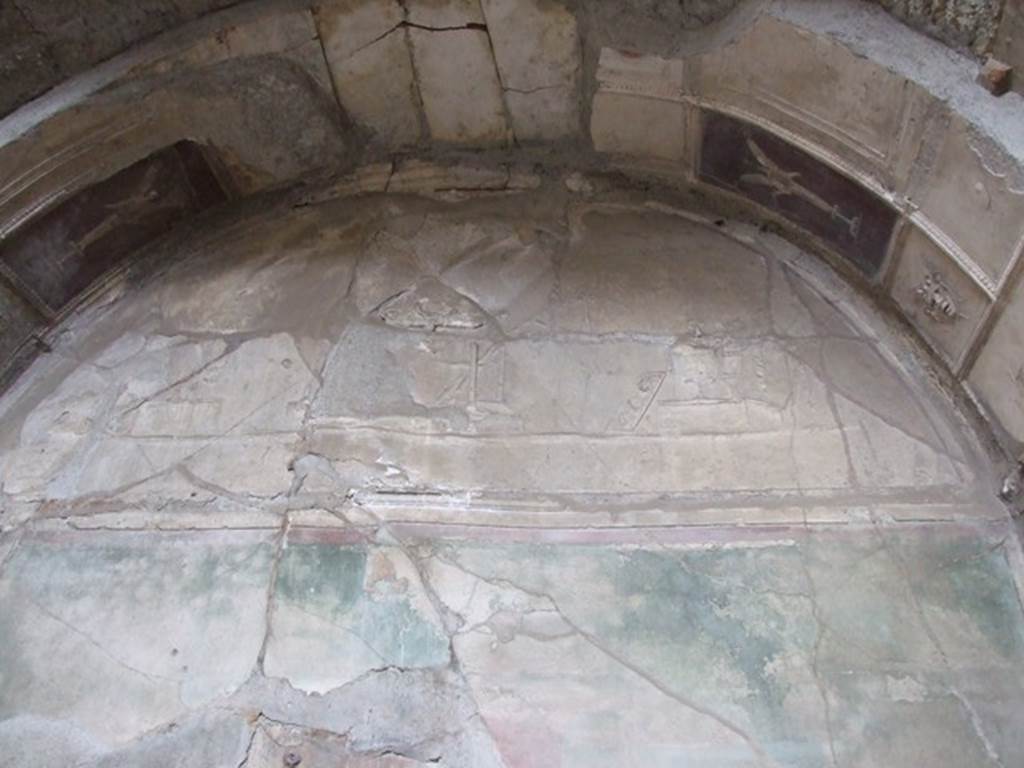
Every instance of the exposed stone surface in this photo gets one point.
(458, 109)
(46, 42)
(371, 66)
(996, 76)
(967, 23)
(537, 50)
(1008, 45)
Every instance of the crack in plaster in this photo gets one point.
(433, 741)
(229, 348)
(755, 747)
(89, 639)
(442, 611)
(893, 551)
(820, 628)
(17, 535)
(279, 548)
(248, 749)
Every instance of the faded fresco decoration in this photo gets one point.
(60, 253)
(744, 159)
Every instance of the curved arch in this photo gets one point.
(518, 326)
(887, 158)
(537, 428)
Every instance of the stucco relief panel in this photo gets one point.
(868, 116)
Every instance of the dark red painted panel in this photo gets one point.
(59, 254)
(764, 168)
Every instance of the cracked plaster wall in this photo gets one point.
(523, 501)
(868, 115)
(970, 24)
(391, 69)
(503, 500)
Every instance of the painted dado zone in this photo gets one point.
(863, 139)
